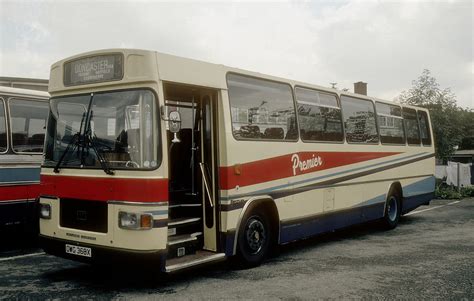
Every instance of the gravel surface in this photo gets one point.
(430, 255)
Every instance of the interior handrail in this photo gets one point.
(204, 178)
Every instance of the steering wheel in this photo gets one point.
(96, 140)
(131, 163)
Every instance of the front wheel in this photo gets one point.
(254, 238)
(392, 211)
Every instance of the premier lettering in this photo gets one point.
(301, 166)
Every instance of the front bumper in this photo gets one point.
(155, 259)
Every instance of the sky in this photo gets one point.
(384, 43)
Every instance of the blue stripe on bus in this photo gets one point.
(369, 210)
(418, 193)
(20, 174)
(420, 187)
(329, 221)
(266, 190)
(416, 189)
(415, 201)
(378, 199)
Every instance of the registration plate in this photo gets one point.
(79, 251)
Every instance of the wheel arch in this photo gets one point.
(266, 201)
(398, 187)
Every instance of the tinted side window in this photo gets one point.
(424, 127)
(411, 126)
(319, 116)
(28, 122)
(261, 109)
(390, 123)
(3, 128)
(359, 120)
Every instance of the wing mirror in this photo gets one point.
(174, 123)
(174, 119)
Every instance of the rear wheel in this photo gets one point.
(255, 236)
(392, 210)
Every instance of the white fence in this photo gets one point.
(457, 174)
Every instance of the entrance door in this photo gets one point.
(208, 166)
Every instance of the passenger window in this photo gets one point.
(425, 128)
(390, 123)
(319, 116)
(28, 123)
(3, 128)
(359, 120)
(261, 109)
(411, 126)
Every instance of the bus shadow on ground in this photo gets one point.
(17, 242)
(105, 279)
(117, 279)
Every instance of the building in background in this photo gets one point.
(463, 156)
(24, 83)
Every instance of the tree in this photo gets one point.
(466, 120)
(452, 126)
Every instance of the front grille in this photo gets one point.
(83, 215)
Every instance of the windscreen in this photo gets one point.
(115, 129)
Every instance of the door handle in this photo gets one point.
(206, 184)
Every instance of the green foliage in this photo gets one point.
(452, 125)
(447, 192)
(467, 143)
(467, 192)
(451, 192)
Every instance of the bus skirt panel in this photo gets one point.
(103, 254)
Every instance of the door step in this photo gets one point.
(183, 221)
(184, 205)
(185, 244)
(185, 210)
(200, 257)
(179, 239)
(186, 225)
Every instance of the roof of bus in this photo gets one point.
(23, 92)
(205, 74)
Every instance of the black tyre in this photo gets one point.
(392, 210)
(255, 238)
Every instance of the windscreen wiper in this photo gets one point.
(89, 142)
(74, 141)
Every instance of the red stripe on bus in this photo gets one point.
(19, 192)
(105, 189)
(271, 169)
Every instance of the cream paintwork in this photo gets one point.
(210, 242)
(23, 93)
(346, 196)
(99, 173)
(51, 227)
(229, 219)
(139, 67)
(153, 239)
(152, 69)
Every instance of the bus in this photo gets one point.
(172, 162)
(23, 117)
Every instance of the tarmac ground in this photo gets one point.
(430, 255)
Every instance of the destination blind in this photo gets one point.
(94, 69)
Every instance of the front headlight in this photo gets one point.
(135, 221)
(45, 211)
